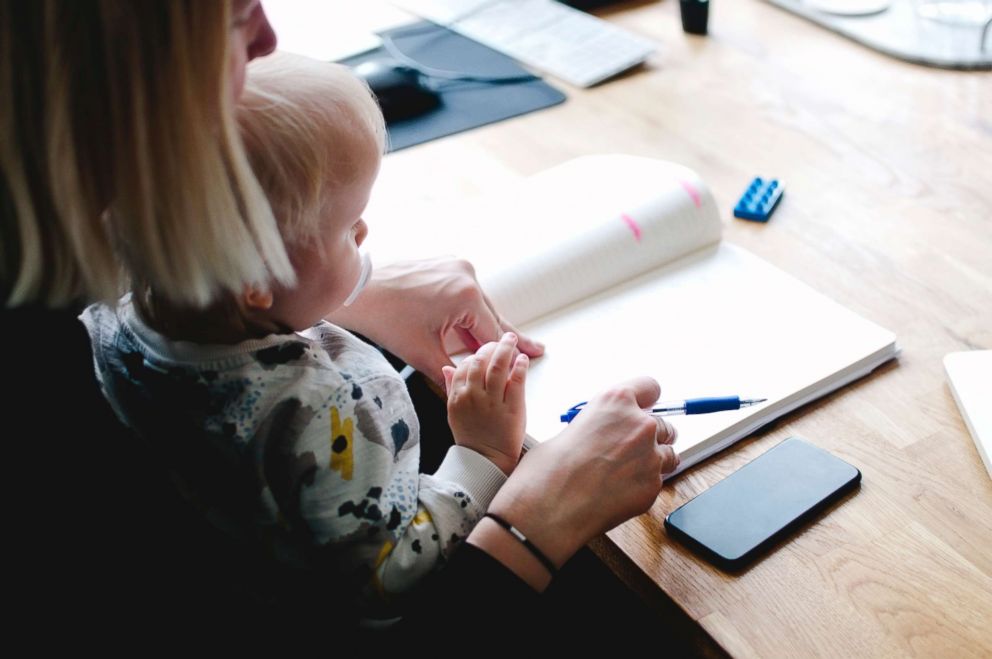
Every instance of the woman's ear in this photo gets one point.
(257, 298)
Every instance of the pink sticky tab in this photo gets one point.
(692, 193)
(629, 221)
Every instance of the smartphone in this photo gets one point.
(732, 522)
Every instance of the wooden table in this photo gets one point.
(888, 209)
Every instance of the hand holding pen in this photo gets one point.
(687, 406)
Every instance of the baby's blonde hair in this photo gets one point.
(304, 123)
(119, 156)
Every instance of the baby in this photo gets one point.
(282, 427)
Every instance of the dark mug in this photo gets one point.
(695, 14)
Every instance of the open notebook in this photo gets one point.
(969, 374)
(616, 263)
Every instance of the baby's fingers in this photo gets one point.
(449, 373)
(514, 395)
(485, 353)
(499, 365)
(459, 378)
(476, 375)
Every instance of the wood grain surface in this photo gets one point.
(887, 209)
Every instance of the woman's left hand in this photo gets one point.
(422, 311)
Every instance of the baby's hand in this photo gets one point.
(486, 409)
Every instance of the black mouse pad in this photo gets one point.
(464, 104)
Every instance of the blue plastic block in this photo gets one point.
(759, 200)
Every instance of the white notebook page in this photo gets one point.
(562, 235)
(719, 322)
(560, 258)
(970, 376)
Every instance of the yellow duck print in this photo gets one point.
(342, 458)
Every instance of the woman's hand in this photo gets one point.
(422, 311)
(605, 468)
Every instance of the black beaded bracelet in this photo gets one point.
(515, 532)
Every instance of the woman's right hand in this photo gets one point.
(604, 468)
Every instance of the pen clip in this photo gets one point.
(572, 411)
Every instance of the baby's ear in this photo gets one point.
(257, 298)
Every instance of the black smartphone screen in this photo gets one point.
(746, 512)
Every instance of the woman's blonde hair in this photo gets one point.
(304, 123)
(119, 155)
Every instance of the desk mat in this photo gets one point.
(464, 104)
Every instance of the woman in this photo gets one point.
(119, 158)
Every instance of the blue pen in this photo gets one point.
(687, 406)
